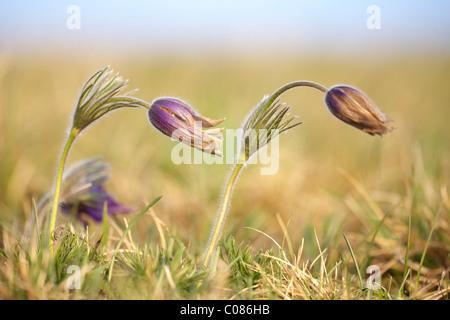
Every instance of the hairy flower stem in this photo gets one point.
(57, 191)
(220, 221)
(131, 100)
(295, 84)
(100, 94)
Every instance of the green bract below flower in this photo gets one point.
(263, 124)
(100, 95)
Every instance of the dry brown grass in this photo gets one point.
(332, 178)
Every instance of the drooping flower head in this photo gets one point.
(83, 194)
(178, 120)
(356, 109)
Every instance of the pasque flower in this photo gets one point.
(101, 94)
(176, 119)
(356, 109)
(346, 103)
(92, 204)
(83, 193)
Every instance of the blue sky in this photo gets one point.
(198, 26)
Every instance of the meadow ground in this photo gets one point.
(340, 201)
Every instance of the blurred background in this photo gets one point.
(222, 58)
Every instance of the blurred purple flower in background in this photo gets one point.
(92, 206)
(83, 194)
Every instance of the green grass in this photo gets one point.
(341, 201)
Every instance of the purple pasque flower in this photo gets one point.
(83, 193)
(92, 206)
(176, 119)
(356, 109)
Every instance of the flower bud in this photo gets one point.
(176, 119)
(356, 109)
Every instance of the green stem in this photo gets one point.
(57, 192)
(217, 229)
(294, 84)
(132, 101)
(220, 221)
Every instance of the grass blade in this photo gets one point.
(354, 260)
(405, 271)
(425, 251)
(105, 227)
(113, 258)
(36, 217)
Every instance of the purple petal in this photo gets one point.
(93, 207)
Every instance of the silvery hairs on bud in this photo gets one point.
(176, 119)
(356, 109)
